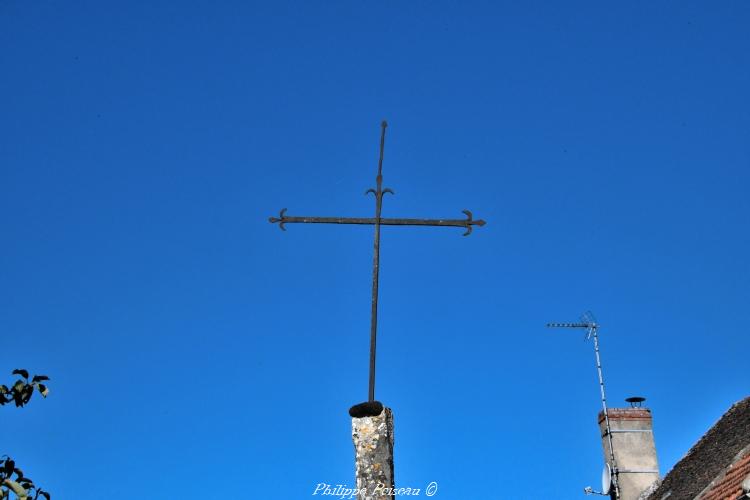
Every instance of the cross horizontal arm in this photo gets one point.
(466, 223)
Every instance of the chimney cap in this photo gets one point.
(635, 401)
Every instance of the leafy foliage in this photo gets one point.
(20, 393)
(22, 390)
(23, 487)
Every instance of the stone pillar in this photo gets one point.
(634, 449)
(372, 433)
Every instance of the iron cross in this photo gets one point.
(377, 221)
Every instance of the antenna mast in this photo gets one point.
(588, 322)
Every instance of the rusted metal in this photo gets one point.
(378, 192)
(377, 221)
(465, 223)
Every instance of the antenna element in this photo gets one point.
(588, 323)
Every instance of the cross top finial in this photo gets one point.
(379, 179)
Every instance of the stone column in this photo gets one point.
(372, 433)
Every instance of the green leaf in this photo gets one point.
(8, 467)
(43, 390)
(28, 391)
(39, 378)
(21, 372)
(17, 489)
(4, 389)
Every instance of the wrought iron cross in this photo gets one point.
(377, 221)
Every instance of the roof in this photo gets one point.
(730, 485)
(725, 444)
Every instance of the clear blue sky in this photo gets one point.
(196, 351)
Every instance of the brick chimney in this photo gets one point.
(634, 449)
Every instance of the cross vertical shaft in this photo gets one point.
(376, 265)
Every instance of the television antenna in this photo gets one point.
(588, 323)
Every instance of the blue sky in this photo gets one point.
(196, 351)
